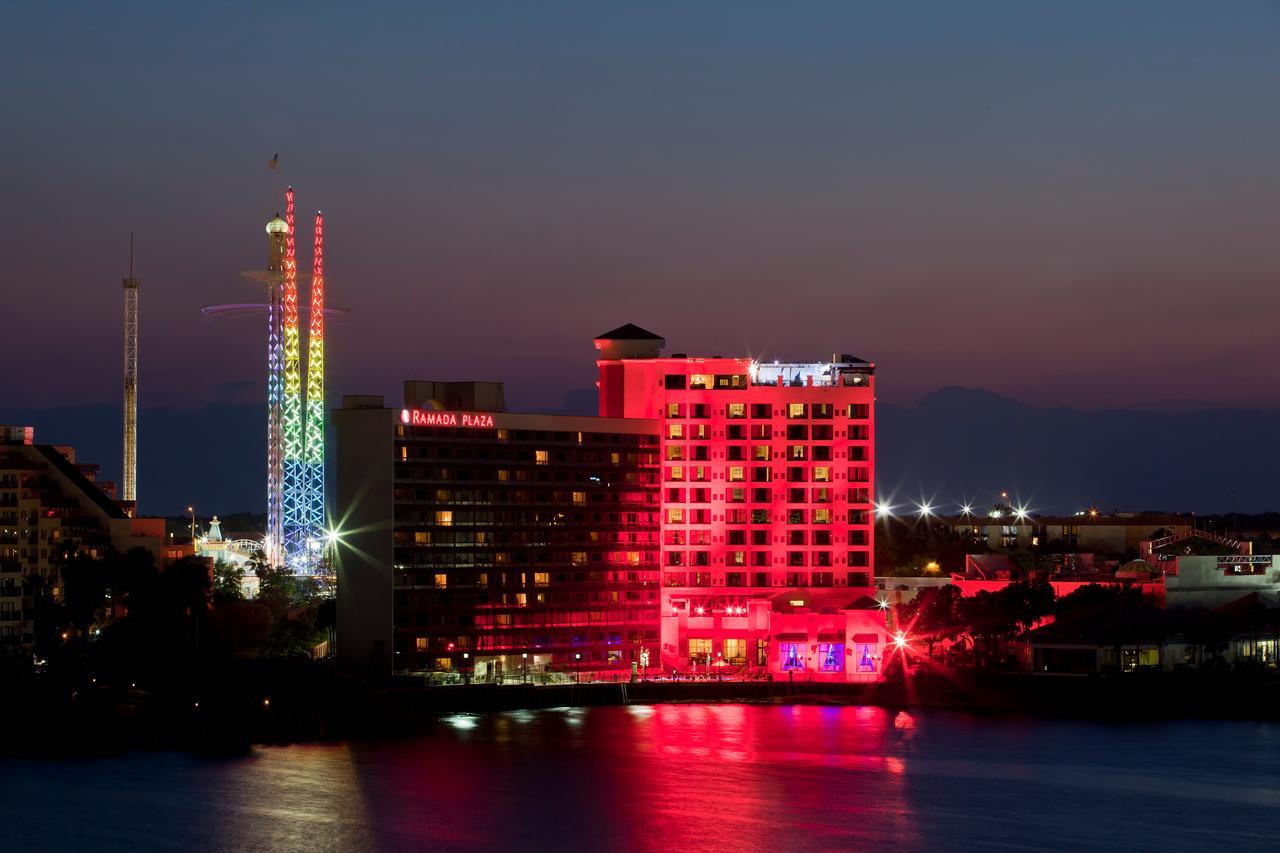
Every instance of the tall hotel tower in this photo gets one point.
(766, 520)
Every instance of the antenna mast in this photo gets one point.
(129, 492)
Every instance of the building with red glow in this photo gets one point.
(766, 517)
(490, 543)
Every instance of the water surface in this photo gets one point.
(682, 777)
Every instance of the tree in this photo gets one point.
(228, 583)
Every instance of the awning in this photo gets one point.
(872, 639)
(791, 638)
(830, 638)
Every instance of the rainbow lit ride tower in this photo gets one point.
(293, 497)
(295, 535)
(313, 441)
(277, 240)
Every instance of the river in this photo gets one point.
(680, 777)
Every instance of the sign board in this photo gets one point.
(422, 417)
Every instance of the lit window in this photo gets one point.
(579, 498)
(404, 456)
(482, 580)
(444, 517)
(760, 452)
(503, 475)
(675, 515)
(795, 410)
(699, 380)
(736, 473)
(736, 410)
(675, 430)
(541, 578)
(579, 558)
(421, 537)
(831, 657)
(442, 581)
(541, 457)
(822, 516)
(792, 655)
(420, 644)
(822, 474)
(504, 435)
(677, 472)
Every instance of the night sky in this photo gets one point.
(1068, 204)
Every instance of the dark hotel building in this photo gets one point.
(474, 539)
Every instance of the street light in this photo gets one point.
(525, 656)
(192, 510)
(924, 510)
(577, 674)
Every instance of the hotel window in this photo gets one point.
(735, 453)
(822, 496)
(822, 537)
(700, 473)
(421, 537)
(761, 474)
(542, 579)
(822, 516)
(730, 380)
(673, 381)
(797, 432)
(541, 457)
(760, 411)
(831, 657)
(699, 380)
(735, 651)
(737, 558)
(736, 495)
(700, 650)
(675, 515)
(795, 410)
(822, 474)
(579, 498)
(796, 537)
(578, 558)
(796, 496)
(675, 410)
(504, 475)
(482, 580)
(797, 452)
(737, 537)
(822, 558)
(761, 496)
(759, 537)
(700, 431)
(673, 579)
(404, 456)
(735, 432)
(823, 579)
(675, 430)
(675, 452)
(444, 517)
(504, 435)
(761, 432)
(759, 516)
(791, 655)
(857, 537)
(675, 472)
(420, 644)
(761, 453)
(736, 473)
(821, 410)
(865, 655)
(822, 452)
(860, 559)
(823, 432)
(736, 410)
(859, 411)
(857, 453)
(441, 580)
(796, 474)
(860, 475)
(698, 410)
(796, 558)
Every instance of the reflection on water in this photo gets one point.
(682, 777)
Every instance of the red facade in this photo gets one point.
(766, 506)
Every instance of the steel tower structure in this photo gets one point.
(294, 499)
(277, 240)
(129, 484)
(313, 443)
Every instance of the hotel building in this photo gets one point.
(482, 541)
(715, 517)
(766, 522)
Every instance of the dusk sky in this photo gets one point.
(1074, 203)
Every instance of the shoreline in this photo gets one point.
(327, 707)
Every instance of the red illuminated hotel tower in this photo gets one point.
(766, 505)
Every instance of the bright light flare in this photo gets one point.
(900, 640)
(924, 510)
(883, 510)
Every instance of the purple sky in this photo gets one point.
(1065, 203)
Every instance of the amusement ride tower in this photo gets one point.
(295, 534)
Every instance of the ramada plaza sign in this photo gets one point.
(419, 417)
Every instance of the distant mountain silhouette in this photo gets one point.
(962, 443)
(956, 443)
